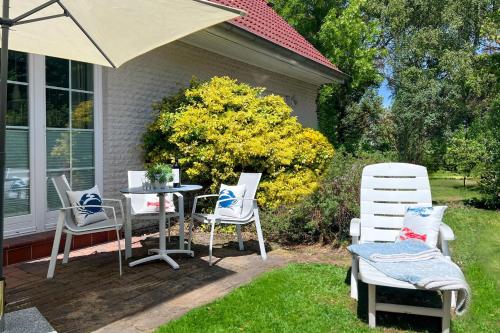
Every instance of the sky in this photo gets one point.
(385, 92)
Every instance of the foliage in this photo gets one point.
(437, 68)
(159, 172)
(464, 154)
(490, 176)
(221, 127)
(368, 126)
(324, 215)
(350, 39)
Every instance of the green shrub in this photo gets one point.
(221, 127)
(325, 215)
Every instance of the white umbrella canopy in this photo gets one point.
(108, 32)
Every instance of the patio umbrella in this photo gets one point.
(103, 32)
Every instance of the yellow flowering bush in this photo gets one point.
(222, 127)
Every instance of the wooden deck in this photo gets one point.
(87, 294)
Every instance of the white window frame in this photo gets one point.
(40, 220)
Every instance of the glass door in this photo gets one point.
(51, 123)
(17, 187)
(69, 125)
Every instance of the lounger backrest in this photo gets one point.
(251, 181)
(386, 190)
(62, 186)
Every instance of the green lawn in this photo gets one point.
(315, 297)
(452, 191)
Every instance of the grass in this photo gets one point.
(452, 190)
(315, 298)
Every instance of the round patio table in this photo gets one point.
(162, 253)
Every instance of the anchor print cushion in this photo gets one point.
(228, 204)
(422, 223)
(83, 214)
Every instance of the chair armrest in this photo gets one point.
(242, 199)
(201, 197)
(120, 203)
(62, 209)
(445, 232)
(206, 196)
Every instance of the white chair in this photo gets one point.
(250, 213)
(67, 224)
(145, 204)
(386, 190)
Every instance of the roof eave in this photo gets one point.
(333, 74)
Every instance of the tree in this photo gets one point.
(436, 60)
(344, 32)
(465, 155)
(368, 126)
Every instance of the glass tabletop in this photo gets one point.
(182, 188)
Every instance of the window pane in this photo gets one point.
(53, 201)
(82, 180)
(82, 77)
(57, 72)
(58, 149)
(57, 106)
(18, 66)
(17, 192)
(83, 148)
(17, 186)
(17, 148)
(82, 110)
(17, 105)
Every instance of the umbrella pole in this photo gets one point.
(3, 112)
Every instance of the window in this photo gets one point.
(17, 159)
(69, 125)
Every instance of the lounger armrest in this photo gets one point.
(445, 235)
(355, 228)
(445, 232)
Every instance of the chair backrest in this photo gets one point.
(139, 201)
(62, 186)
(251, 181)
(386, 190)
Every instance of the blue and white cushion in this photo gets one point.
(87, 215)
(228, 204)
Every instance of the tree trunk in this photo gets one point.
(464, 181)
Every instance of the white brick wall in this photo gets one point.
(130, 91)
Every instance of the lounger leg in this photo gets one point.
(262, 246)
(210, 244)
(67, 248)
(445, 322)
(354, 278)
(372, 299)
(55, 245)
(119, 250)
(240, 239)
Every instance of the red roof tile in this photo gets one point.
(263, 21)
